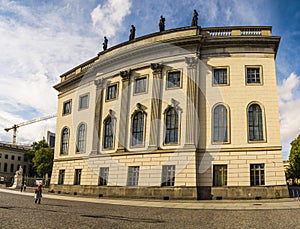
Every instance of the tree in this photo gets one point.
(293, 170)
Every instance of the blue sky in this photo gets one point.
(40, 40)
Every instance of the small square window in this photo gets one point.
(220, 76)
(83, 101)
(140, 85)
(67, 107)
(111, 92)
(173, 79)
(253, 75)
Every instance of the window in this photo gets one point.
(173, 79)
(108, 133)
(103, 176)
(220, 76)
(171, 126)
(0, 155)
(11, 168)
(137, 129)
(133, 175)
(77, 177)
(168, 175)
(81, 137)
(6, 156)
(220, 175)
(67, 107)
(19, 158)
(140, 85)
(255, 125)
(13, 157)
(253, 75)
(5, 167)
(111, 92)
(61, 176)
(83, 101)
(257, 174)
(220, 125)
(64, 141)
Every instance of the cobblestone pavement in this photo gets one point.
(20, 211)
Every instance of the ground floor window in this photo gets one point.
(61, 176)
(220, 175)
(257, 174)
(77, 177)
(103, 176)
(133, 175)
(168, 175)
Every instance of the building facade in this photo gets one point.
(187, 113)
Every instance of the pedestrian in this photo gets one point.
(38, 194)
(21, 187)
(24, 186)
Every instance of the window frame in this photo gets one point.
(214, 142)
(135, 92)
(112, 126)
(61, 176)
(64, 107)
(166, 126)
(253, 176)
(227, 76)
(103, 176)
(80, 107)
(143, 131)
(77, 176)
(168, 87)
(260, 75)
(263, 124)
(62, 143)
(107, 99)
(168, 175)
(81, 141)
(133, 176)
(223, 175)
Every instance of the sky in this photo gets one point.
(42, 39)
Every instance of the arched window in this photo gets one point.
(64, 141)
(220, 127)
(108, 133)
(255, 124)
(137, 129)
(171, 126)
(81, 132)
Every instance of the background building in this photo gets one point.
(187, 113)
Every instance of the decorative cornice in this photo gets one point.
(191, 62)
(100, 83)
(125, 74)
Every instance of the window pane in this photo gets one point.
(220, 76)
(168, 175)
(133, 175)
(257, 174)
(173, 79)
(81, 138)
(108, 133)
(220, 175)
(138, 129)
(64, 141)
(103, 176)
(67, 107)
(171, 126)
(255, 124)
(83, 102)
(220, 124)
(253, 75)
(111, 92)
(140, 85)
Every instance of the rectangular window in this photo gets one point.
(168, 175)
(13, 157)
(67, 107)
(12, 168)
(6, 156)
(103, 176)
(253, 75)
(173, 79)
(140, 85)
(257, 174)
(83, 102)
(220, 76)
(5, 167)
(19, 158)
(111, 92)
(77, 177)
(61, 176)
(133, 175)
(220, 175)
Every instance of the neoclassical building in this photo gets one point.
(187, 113)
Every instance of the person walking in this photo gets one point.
(38, 194)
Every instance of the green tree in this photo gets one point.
(293, 170)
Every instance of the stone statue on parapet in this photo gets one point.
(132, 33)
(105, 44)
(195, 18)
(162, 24)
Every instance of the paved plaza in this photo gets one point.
(18, 210)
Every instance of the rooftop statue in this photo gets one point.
(162, 24)
(132, 33)
(105, 44)
(195, 18)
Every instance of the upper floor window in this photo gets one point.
(254, 75)
(255, 123)
(67, 107)
(171, 126)
(64, 141)
(220, 175)
(220, 126)
(108, 133)
(19, 158)
(257, 174)
(137, 129)
(168, 175)
(111, 92)
(140, 85)
(174, 79)
(6, 156)
(13, 157)
(81, 134)
(83, 102)
(220, 76)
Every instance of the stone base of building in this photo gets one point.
(166, 193)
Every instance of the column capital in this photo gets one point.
(157, 68)
(191, 62)
(125, 74)
(100, 83)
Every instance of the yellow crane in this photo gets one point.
(16, 126)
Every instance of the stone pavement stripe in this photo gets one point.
(205, 205)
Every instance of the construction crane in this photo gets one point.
(16, 126)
